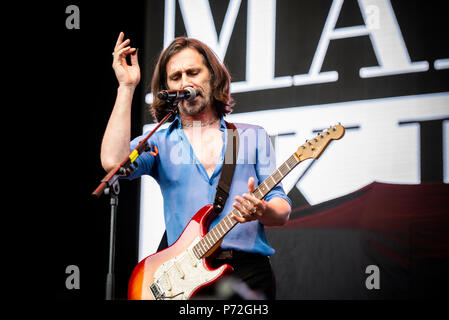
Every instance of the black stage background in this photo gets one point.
(68, 98)
(73, 91)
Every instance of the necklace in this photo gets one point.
(198, 123)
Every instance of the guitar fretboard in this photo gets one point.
(224, 226)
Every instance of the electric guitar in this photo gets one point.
(181, 270)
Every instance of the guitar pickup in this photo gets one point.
(165, 282)
(193, 260)
(181, 273)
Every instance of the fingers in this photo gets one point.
(123, 44)
(251, 187)
(119, 39)
(122, 47)
(247, 205)
(134, 60)
(243, 219)
(248, 211)
(253, 201)
(120, 44)
(239, 219)
(245, 215)
(123, 50)
(126, 50)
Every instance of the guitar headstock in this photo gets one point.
(314, 147)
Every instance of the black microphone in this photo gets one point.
(187, 93)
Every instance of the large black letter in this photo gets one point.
(431, 148)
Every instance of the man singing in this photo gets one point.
(191, 152)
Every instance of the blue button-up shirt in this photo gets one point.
(186, 187)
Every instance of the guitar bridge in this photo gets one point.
(156, 291)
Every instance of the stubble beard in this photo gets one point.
(193, 109)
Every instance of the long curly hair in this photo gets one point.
(220, 78)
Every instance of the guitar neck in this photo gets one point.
(216, 234)
(310, 149)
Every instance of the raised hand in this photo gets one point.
(127, 75)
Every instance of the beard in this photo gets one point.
(193, 107)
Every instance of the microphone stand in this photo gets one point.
(110, 186)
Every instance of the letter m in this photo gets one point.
(199, 23)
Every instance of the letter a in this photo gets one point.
(73, 280)
(385, 36)
(372, 281)
(73, 20)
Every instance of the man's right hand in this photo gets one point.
(127, 75)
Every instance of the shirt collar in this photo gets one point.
(175, 124)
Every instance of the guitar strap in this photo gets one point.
(227, 172)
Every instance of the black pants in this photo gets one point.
(253, 269)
